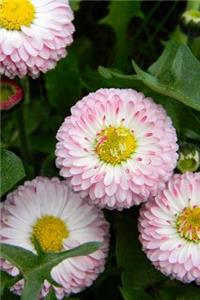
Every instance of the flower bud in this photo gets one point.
(189, 158)
(190, 23)
(11, 93)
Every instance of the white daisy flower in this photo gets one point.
(60, 220)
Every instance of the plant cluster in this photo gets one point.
(100, 149)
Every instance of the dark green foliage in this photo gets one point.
(36, 268)
(138, 274)
(12, 170)
(175, 74)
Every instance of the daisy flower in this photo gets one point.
(117, 148)
(33, 35)
(11, 93)
(60, 220)
(169, 228)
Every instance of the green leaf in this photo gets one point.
(52, 259)
(9, 296)
(75, 4)
(119, 17)
(180, 292)
(12, 170)
(63, 83)
(105, 72)
(175, 74)
(48, 167)
(93, 80)
(117, 76)
(51, 295)
(43, 143)
(23, 259)
(35, 269)
(138, 273)
(7, 281)
(134, 294)
(38, 247)
(32, 286)
(185, 119)
(35, 115)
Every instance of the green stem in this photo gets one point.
(22, 134)
(27, 89)
(193, 4)
(194, 43)
(14, 280)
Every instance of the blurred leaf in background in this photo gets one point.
(138, 274)
(119, 17)
(12, 170)
(63, 83)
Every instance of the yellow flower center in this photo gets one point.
(188, 224)
(15, 13)
(50, 232)
(115, 145)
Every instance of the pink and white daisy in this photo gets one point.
(117, 148)
(33, 35)
(169, 228)
(11, 94)
(60, 220)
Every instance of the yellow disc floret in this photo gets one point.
(50, 232)
(115, 145)
(16, 13)
(188, 224)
